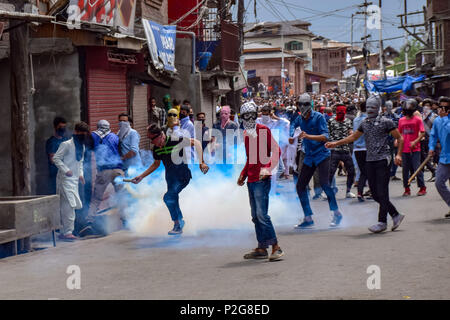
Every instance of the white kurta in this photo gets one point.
(65, 160)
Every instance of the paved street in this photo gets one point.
(319, 264)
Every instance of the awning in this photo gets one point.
(25, 16)
(403, 83)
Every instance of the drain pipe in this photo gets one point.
(192, 34)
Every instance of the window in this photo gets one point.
(293, 45)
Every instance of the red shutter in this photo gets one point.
(140, 115)
(107, 96)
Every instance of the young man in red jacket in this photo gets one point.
(263, 155)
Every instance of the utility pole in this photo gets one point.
(282, 61)
(382, 70)
(351, 37)
(406, 38)
(240, 17)
(365, 51)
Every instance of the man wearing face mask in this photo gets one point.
(109, 166)
(376, 130)
(388, 113)
(428, 117)
(226, 127)
(69, 161)
(51, 146)
(314, 135)
(412, 130)
(339, 128)
(128, 143)
(257, 171)
(201, 116)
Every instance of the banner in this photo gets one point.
(115, 13)
(161, 44)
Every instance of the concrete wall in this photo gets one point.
(147, 11)
(187, 86)
(5, 130)
(58, 88)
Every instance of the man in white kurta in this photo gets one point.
(70, 172)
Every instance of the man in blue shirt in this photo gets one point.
(128, 143)
(109, 166)
(186, 126)
(360, 151)
(314, 134)
(441, 132)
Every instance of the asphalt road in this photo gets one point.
(322, 263)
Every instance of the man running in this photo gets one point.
(166, 149)
(376, 130)
(314, 135)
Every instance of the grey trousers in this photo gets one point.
(442, 176)
(67, 215)
(102, 180)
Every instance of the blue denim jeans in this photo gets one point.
(258, 193)
(174, 187)
(305, 176)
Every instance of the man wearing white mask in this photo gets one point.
(128, 143)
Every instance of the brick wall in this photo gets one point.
(155, 10)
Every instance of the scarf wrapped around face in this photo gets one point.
(340, 113)
(103, 128)
(124, 129)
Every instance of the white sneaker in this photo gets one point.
(397, 220)
(350, 195)
(379, 227)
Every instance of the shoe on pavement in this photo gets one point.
(432, 179)
(407, 192)
(350, 195)
(337, 218)
(305, 225)
(67, 237)
(397, 220)
(395, 178)
(379, 227)
(176, 230)
(276, 255)
(422, 191)
(317, 197)
(447, 216)
(256, 254)
(360, 198)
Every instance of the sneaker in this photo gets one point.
(276, 255)
(182, 223)
(379, 227)
(447, 216)
(67, 237)
(256, 254)
(337, 218)
(176, 230)
(422, 191)
(350, 195)
(407, 192)
(395, 178)
(305, 225)
(317, 197)
(432, 179)
(397, 220)
(360, 198)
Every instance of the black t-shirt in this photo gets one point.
(376, 133)
(174, 170)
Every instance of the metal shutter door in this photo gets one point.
(107, 96)
(140, 116)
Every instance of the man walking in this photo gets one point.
(69, 161)
(376, 130)
(441, 131)
(340, 128)
(257, 171)
(314, 134)
(412, 130)
(166, 149)
(360, 151)
(128, 143)
(51, 146)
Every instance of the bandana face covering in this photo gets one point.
(373, 107)
(304, 106)
(340, 113)
(249, 114)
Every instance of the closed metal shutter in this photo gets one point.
(107, 96)
(140, 115)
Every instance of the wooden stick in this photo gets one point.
(418, 169)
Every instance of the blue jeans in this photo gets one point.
(306, 174)
(258, 193)
(174, 187)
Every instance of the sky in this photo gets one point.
(332, 18)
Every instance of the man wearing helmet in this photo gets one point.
(257, 171)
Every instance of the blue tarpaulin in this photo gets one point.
(403, 83)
